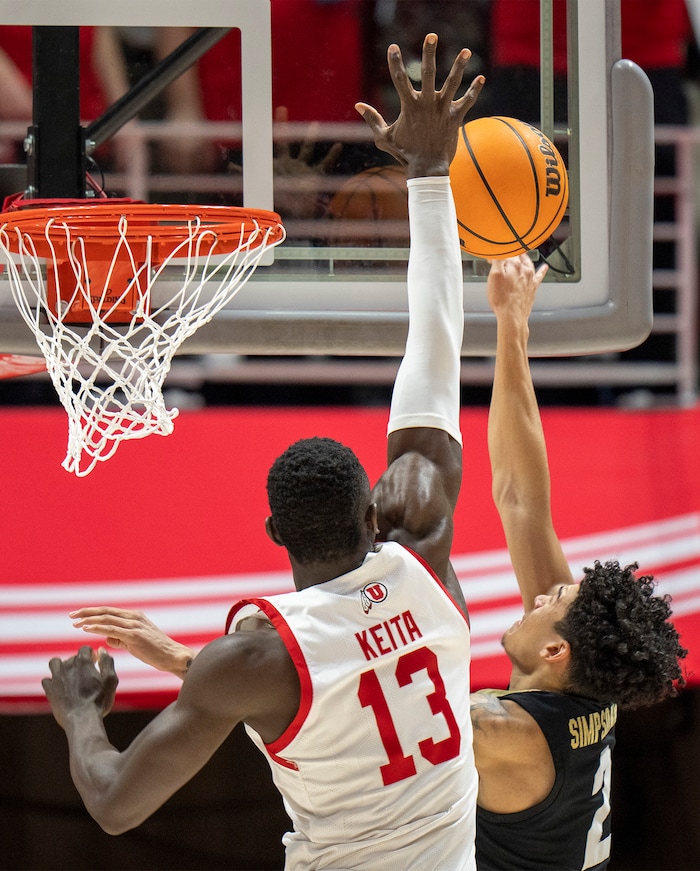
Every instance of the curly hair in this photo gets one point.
(319, 495)
(624, 649)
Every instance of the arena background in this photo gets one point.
(175, 526)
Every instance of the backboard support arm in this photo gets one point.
(57, 170)
(152, 83)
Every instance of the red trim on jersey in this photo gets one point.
(431, 572)
(295, 651)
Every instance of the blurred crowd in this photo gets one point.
(328, 54)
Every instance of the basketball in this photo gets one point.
(375, 194)
(372, 198)
(510, 187)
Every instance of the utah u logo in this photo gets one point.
(372, 594)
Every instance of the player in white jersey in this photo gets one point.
(357, 684)
(384, 711)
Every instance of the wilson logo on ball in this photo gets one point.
(510, 187)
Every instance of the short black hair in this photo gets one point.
(319, 496)
(624, 648)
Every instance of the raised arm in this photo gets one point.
(514, 761)
(417, 494)
(517, 448)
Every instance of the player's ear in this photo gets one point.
(371, 519)
(272, 532)
(556, 652)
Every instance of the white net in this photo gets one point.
(109, 367)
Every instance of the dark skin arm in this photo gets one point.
(417, 495)
(246, 676)
(249, 676)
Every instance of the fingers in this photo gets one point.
(105, 663)
(372, 117)
(120, 627)
(55, 664)
(107, 632)
(454, 77)
(540, 273)
(109, 681)
(465, 102)
(86, 654)
(519, 271)
(103, 610)
(87, 677)
(428, 66)
(398, 73)
(306, 149)
(331, 159)
(118, 616)
(112, 628)
(527, 265)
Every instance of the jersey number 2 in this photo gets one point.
(371, 695)
(598, 847)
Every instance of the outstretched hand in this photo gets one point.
(86, 679)
(130, 630)
(424, 136)
(299, 188)
(512, 285)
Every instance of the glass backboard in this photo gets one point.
(337, 285)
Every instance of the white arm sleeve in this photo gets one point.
(427, 388)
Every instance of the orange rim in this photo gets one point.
(167, 224)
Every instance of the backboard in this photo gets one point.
(337, 285)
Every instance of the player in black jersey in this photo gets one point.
(543, 747)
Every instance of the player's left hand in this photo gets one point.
(424, 136)
(87, 679)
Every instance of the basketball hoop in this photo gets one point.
(87, 281)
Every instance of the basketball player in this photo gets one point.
(356, 685)
(543, 748)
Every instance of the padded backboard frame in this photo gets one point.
(608, 305)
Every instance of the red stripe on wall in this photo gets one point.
(192, 506)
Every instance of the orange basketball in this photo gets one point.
(371, 208)
(377, 194)
(510, 187)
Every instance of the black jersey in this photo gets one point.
(570, 829)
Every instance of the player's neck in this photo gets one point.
(311, 574)
(540, 679)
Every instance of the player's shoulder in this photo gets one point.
(253, 653)
(495, 706)
(245, 674)
(502, 727)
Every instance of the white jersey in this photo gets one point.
(377, 767)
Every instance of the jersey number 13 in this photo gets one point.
(400, 764)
